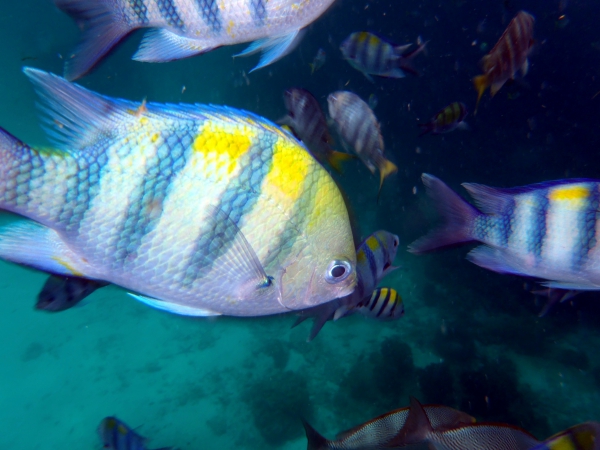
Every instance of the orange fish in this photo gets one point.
(507, 57)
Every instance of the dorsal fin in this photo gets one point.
(73, 115)
(416, 428)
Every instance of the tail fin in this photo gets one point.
(315, 440)
(336, 159)
(426, 128)
(458, 214)
(481, 83)
(405, 61)
(386, 168)
(102, 30)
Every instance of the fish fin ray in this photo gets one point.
(60, 293)
(273, 48)
(458, 215)
(174, 307)
(569, 285)
(481, 83)
(160, 45)
(315, 440)
(488, 199)
(239, 265)
(73, 115)
(495, 259)
(102, 31)
(28, 243)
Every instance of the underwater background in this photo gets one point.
(470, 338)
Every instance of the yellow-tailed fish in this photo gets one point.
(198, 210)
(182, 28)
(358, 126)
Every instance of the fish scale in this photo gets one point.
(200, 209)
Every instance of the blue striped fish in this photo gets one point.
(197, 210)
(116, 435)
(548, 230)
(373, 55)
(374, 259)
(184, 28)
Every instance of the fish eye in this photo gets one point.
(338, 271)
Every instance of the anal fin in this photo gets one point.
(162, 45)
(273, 48)
(60, 293)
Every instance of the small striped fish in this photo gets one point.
(508, 56)
(547, 230)
(307, 120)
(358, 126)
(184, 28)
(374, 259)
(377, 432)
(116, 435)
(200, 210)
(447, 119)
(384, 304)
(372, 55)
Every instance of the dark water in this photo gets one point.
(470, 338)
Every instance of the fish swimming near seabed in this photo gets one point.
(358, 126)
(306, 118)
(116, 435)
(195, 209)
(377, 432)
(547, 230)
(182, 28)
(374, 260)
(447, 119)
(372, 55)
(508, 56)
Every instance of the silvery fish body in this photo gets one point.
(358, 126)
(547, 230)
(184, 28)
(199, 210)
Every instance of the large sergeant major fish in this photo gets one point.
(547, 230)
(199, 210)
(186, 28)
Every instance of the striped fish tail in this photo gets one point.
(458, 214)
(103, 27)
(385, 166)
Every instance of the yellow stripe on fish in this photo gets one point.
(576, 193)
(373, 243)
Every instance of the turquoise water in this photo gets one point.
(470, 338)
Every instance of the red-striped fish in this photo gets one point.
(508, 56)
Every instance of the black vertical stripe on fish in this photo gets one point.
(395, 301)
(146, 202)
(540, 213)
(211, 14)
(239, 198)
(507, 221)
(385, 302)
(258, 10)
(372, 263)
(79, 197)
(587, 240)
(168, 11)
(140, 10)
